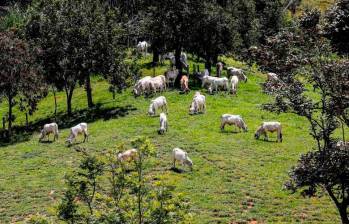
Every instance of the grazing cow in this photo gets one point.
(159, 83)
(128, 155)
(238, 72)
(198, 105)
(207, 80)
(219, 68)
(269, 127)
(156, 104)
(171, 76)
(142, 47)
(47, 130)
(234, 81)
(77, 130)
(221, 83)
(228, 119)
(181, 156)
(163, 124)
(185, 84)
(142, 86)
(342, 145)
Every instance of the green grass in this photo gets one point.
(236, 178)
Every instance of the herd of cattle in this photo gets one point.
(149, 85)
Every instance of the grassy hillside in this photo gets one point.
(236, 179)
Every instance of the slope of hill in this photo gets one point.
(236, 179)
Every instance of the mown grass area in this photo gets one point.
(236, 179)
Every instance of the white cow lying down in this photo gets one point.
(77, 130)
(181, 156)
(229, 119)
(48, 129)
(271, 127)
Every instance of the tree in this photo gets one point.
(336, 26)
(78, 38)
(174, 22)
(213, 34)
(305, 54)
(20, 76)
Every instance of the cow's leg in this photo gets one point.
(222, 127)
(174, 163)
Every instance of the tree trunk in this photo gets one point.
(55, 99)
(9, 116)
(26, 121)
(178, 59)
(343, 213)
(178, 65)
(3, 123)
(156, 56)
(208, 63)
(69, 94)
(89, 91)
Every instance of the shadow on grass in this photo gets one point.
(177, 170)
(89, 115)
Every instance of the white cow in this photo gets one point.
(181, 156)
(163, 124)
(47, 130)
(142, 47)
(234, 81)
(77, 130)
(208, 80)
(158, 83)
(171, 76)
(271, 127)
(156, 104)
(128, 155)
(238, 72)
(222, 83)
(142, 86)
(228, 119)
(198, 105)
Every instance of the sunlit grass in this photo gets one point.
(235, 179)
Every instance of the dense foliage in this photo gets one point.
(20, 75)
(304, 53)
(77, 38)
(336, 26)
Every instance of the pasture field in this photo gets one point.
(236, 179)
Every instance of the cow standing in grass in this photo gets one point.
(78, 130)
(236, 120)
(48, 129)
(269, 127)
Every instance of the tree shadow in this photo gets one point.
(88, 115)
